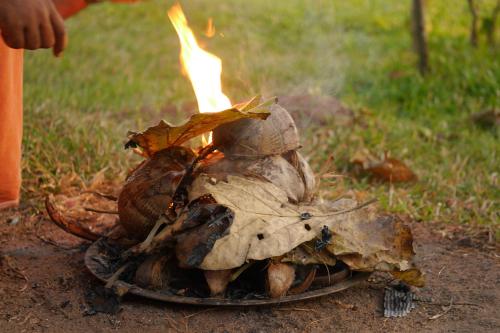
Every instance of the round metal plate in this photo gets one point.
(97, 261)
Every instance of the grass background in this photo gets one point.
(121, 70)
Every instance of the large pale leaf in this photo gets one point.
(165, 135)
(266, 225)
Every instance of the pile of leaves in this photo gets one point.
(244, 205)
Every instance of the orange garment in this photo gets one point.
(69, 8)
(11, 112)
(11, 124)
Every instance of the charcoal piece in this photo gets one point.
(398, 301)
(326, 236)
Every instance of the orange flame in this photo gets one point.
(210, 30)
(203, 68)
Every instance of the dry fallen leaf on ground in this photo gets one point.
(392, 170)
(165, 135)
(388, 169)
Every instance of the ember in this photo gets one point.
(237, 219)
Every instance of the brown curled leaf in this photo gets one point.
(69, 225)
(165, 135)
(392, 170)
(83, 214)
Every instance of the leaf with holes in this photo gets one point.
(266, 225)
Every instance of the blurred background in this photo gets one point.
(348, 70)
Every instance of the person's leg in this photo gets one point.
(11, 124)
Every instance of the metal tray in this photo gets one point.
(98, 256)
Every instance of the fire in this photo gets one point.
(203, 68)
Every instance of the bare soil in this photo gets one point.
(42, 287)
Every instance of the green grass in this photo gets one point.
(121, 69)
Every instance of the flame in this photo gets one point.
(203, 68)
(210, 30)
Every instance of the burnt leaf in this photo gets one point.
(193, 245)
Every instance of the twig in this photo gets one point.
(4, 259)
(116, 275)
(102, 211)
(53, 243)
(339, 212)
(318, 320)
(447, 304)
(362, 205)
(323, 171)
(441, 270)
(297, 309)
(103, 195)
(161, 221)
(197, 313)
(446, 310)
(172, 323)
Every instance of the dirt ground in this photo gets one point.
(42, 288)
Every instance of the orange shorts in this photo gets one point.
(11, 124)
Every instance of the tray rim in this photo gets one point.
(354, 279)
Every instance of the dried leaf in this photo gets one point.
(265, 225)
(380, 243)
(72, 214)
(411, 276)
(392, 170)
(165, 135)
